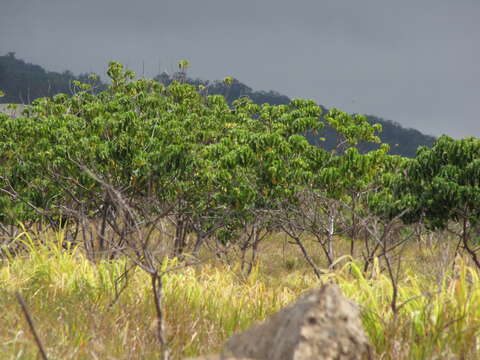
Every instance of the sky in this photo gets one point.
(416, 62)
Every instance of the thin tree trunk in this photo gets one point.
(330, 233)
(466, 245)
(310, 261)
(157, 287)
(256, 241)
(354, 226)
(103, 227)
(180, 234)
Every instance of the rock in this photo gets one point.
(217, 357)
(322, 324)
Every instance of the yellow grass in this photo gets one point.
(71, 299)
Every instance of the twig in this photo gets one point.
(30, 324)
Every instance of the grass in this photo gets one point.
(72, 303)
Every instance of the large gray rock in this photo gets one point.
(322, 324)
(216, 357)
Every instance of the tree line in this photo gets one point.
(118, 169)
(23, 82)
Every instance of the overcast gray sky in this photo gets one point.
(416, 62)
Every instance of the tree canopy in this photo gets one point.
(23, 82)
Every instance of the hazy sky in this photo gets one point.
(416, 62)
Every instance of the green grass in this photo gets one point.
(70, 300)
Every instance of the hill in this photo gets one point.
(23, 82)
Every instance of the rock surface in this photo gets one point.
(322, 324)
(217, 357)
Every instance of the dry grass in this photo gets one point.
(70, 300)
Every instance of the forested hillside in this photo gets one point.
(23, 82)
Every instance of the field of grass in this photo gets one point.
(80, 311)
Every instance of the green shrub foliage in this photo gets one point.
(168, 143)
(216, 164)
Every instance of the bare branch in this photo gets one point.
(20, 299)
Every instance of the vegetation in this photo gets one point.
(185, 217)
(23, 83)
(80, 310)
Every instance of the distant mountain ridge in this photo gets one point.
(23, 82)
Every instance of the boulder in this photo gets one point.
(322, 324)
(216, 357)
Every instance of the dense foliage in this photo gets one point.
(167, 148)
(218, 165)
(23, 82)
